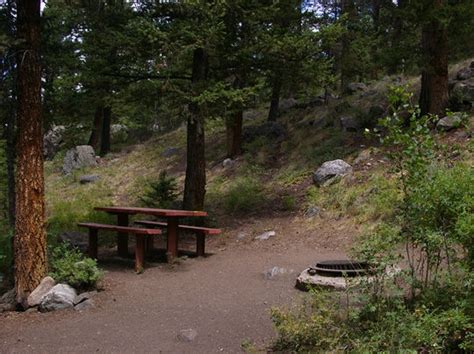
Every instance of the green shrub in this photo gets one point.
(69, 265)
(245, 194)
(161, 193)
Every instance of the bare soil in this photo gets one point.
(225, 297)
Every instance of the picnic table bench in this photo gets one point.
(140, 236)
(200, 232)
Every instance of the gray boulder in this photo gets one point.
(34, 299)
(60, 297)
(84, 296)
(464, 74)
(449, 122)
(79, 157)
(52, 141)
(331, 170)
(228, 163)
(463, 92)
(88, 179)
(355, 87)
(8, 301)
(84, 305)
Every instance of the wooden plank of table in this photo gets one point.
(151, 211)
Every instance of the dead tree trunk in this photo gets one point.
(195, 182)
(30, 233)
(96, 127)
(105, 134)
(434, 76)
(275, 100)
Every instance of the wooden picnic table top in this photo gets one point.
(151, 211)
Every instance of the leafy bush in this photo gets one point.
(161, 193)
(244, 195)
(72, 267)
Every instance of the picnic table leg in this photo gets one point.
(172, 242)
(200, 244)
(139, 253)
(93, 244)
(122, 237)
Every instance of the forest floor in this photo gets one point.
(226, 297)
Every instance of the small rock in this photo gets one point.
(275, 272)
(241, 235)
(464, 74)
(449, 122)
(84, 296)
(331, 170)
(84, 305)
(170, 151)
(8, 301)
(88, 179)
(265, 235)
(228, 163)
(187, 335)
(52, 141)
(34, 299)
(61, 296)
(79, 157)
(312, 212)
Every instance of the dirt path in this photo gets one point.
(224, 297)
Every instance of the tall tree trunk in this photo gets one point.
(96, 127)
(347, 72)
(105, 134)
(195, 182)
(234, 133)
(10, 133)
(434, 76)
(275, 100)
(30, 232)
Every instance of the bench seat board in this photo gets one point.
(123, 229)
(207, 230)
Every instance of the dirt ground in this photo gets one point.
(224, 297)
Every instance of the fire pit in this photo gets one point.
(334, 274)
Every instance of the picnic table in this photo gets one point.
(172, 217)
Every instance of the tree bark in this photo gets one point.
(105, 134)
(10, 132)
(434, 76)
(195, 182)
(275, 100)
(234, 133)
(96, 127)
(30, 232)
(347, 72)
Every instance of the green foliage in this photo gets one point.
(72, 267)
(314, 325)
(245, 194)
(161, 193)
(65, 213)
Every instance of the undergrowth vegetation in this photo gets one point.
(69, 265)
(425, 222)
